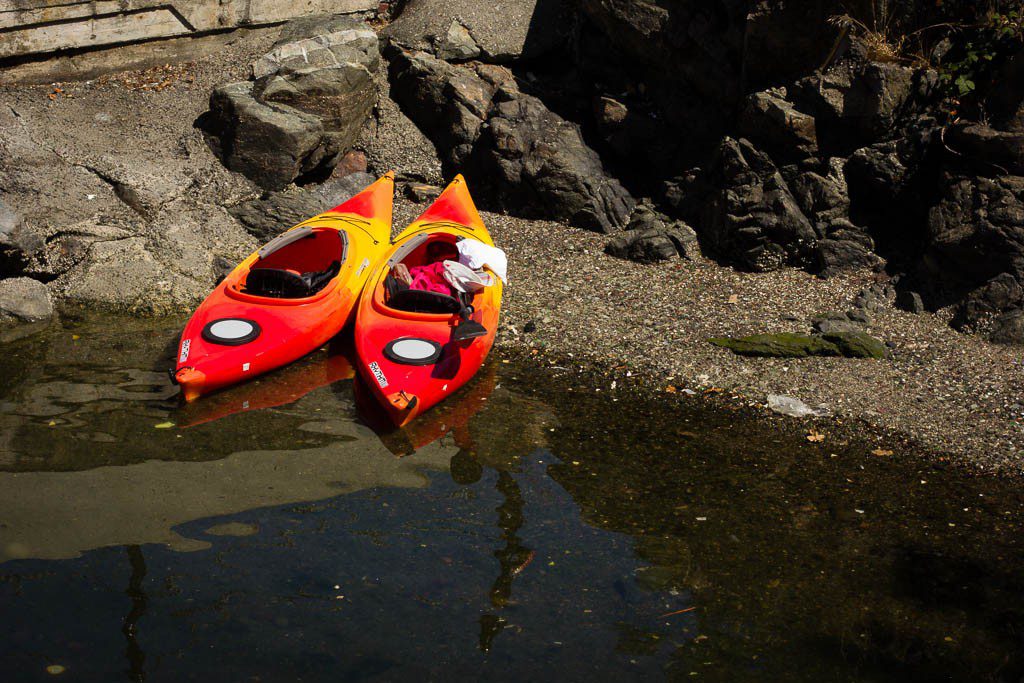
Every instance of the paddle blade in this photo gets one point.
(468, 329)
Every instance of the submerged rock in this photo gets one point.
(24, 299)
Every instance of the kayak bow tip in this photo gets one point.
(191, 382)
(402, 407)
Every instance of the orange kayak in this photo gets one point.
(287, 299)
(414, 347)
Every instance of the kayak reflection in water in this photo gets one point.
(278, 388)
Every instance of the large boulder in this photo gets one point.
(448, 103)
(1009, 328)
(324, 69)
(271, 144)
(458, 30)
(751, 216)
(24, 299)
(310, 96)
(525, 158)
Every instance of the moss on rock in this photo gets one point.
(857, 344)
(851, 344)
(783, 345)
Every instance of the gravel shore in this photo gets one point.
(570, 305)
(647, 327)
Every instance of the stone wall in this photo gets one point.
(33, 27)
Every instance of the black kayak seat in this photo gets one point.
(422, 301)
(286, 284)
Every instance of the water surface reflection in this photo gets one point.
(523, 529)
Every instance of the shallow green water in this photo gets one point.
(526, 529)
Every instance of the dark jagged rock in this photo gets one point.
(1006, 99)
(1003, 151)
(267, 217)
(528, 159)
(775, 125)
(979, 306)
(834, 256)
(876, 173)
(975, 245)
(910, 301)
(446, 102)
(652, 237)
(1008, 328)
(821, 192)
(856, 101)
(783, 345)
(533, 157)
(751, 216)
(625, 128)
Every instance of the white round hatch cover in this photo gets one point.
(231, 331)
(412, 351)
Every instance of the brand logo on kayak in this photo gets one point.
(363, 266)
(381, 379)
(185, 346)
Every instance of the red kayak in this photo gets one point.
(287, 299)
(417, 347)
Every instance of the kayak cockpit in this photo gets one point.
(297, 266)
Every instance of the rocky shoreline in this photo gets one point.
(778, 235)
